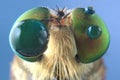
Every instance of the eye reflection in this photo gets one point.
(31, 40)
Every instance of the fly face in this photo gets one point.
(59, 45)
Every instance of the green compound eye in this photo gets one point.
(39, 13)
(91, 35)
(93, 32)
(28, 36)
(28, 39)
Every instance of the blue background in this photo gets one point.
(109, 10)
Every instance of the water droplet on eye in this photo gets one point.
(94, 32)
(89, 10)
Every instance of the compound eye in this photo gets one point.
(28, 39)
(93, 32)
